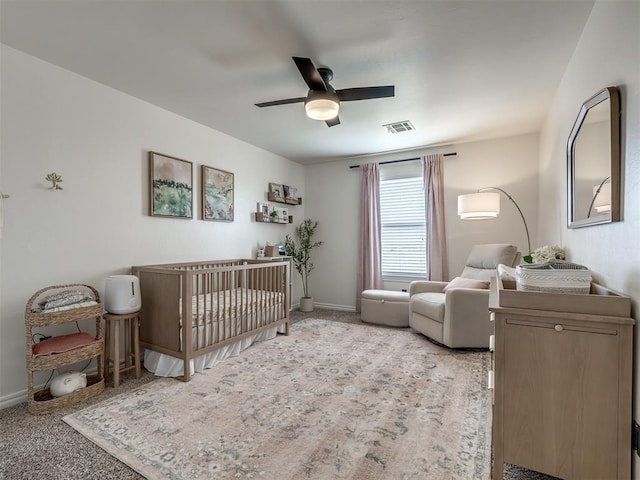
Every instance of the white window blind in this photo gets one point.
(403, 228)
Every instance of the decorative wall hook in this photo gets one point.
(55, 179)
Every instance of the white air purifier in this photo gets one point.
(122, 294)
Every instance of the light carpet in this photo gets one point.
(332, 400)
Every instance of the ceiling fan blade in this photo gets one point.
(309, 73)
(333, 122)
(281, 102)
(365, 93)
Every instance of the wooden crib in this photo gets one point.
(227, 301)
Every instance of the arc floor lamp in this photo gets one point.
(601, 199)
(484, 205)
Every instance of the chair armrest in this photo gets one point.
(466, 320)
(466, 302)
(424, 286)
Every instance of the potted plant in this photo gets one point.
(299, 249)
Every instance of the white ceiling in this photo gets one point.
(463, 70)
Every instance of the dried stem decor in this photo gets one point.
(55, 180)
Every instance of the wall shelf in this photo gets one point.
(288, 201)
(262, 218)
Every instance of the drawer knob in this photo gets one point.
(382, 301)
(558, 328)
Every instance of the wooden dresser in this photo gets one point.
(562, 382)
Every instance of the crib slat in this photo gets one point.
(197, 292)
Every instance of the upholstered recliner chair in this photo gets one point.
(456, 313)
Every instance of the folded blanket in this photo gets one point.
(63, 298)
(63, 343)
(69, 307)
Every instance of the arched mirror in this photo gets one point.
(593, 160)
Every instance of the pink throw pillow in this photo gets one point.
(460, 282)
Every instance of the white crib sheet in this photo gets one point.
(228, 304)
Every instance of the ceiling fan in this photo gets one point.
(323, 101)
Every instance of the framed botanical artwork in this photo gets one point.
(170, 186)
(217, 194)
(277, 191)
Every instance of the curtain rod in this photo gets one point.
(407, 160)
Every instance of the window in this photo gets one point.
(404, 248)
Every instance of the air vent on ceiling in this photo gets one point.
(399, 127)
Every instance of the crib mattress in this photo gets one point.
(228, 304)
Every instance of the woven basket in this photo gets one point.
(554, 276)
(43, 402)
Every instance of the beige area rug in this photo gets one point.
(330, 401)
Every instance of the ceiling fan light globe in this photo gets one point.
(321, 107)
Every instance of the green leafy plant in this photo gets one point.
(300, 250)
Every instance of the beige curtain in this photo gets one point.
(369, 259)
(432, 174)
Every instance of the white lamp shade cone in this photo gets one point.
(479, 206)
(602, 202)
(322, 106)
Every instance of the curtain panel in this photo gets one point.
(370, 256)
(432, 174)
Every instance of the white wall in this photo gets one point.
(98, 140)
(332, 193)
(606, 55)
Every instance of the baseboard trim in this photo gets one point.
(331, 306)
(13, 399)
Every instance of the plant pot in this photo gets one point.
(306, 304)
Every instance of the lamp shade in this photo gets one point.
(479, 206)
(602, 200)
(322, 105)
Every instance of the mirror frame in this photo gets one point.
(611, 94)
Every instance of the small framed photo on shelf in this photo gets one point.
(170, 186)
(290, 194)
(217, 194)
(263, 208)
(277, 191)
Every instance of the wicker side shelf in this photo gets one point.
(42, 402)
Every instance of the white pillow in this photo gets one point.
(461, 282)
(506, 273)
(491, 255)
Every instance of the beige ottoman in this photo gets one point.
(385, 307)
